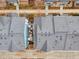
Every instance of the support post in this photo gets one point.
(17, 7)
(61, 9)
(46, 9)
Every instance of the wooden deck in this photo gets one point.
(39, 11)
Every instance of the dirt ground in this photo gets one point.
(31, 53)
(34, 54)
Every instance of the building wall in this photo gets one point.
(24, 2)
(31, 2)
(39, 2)
(2, 3)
